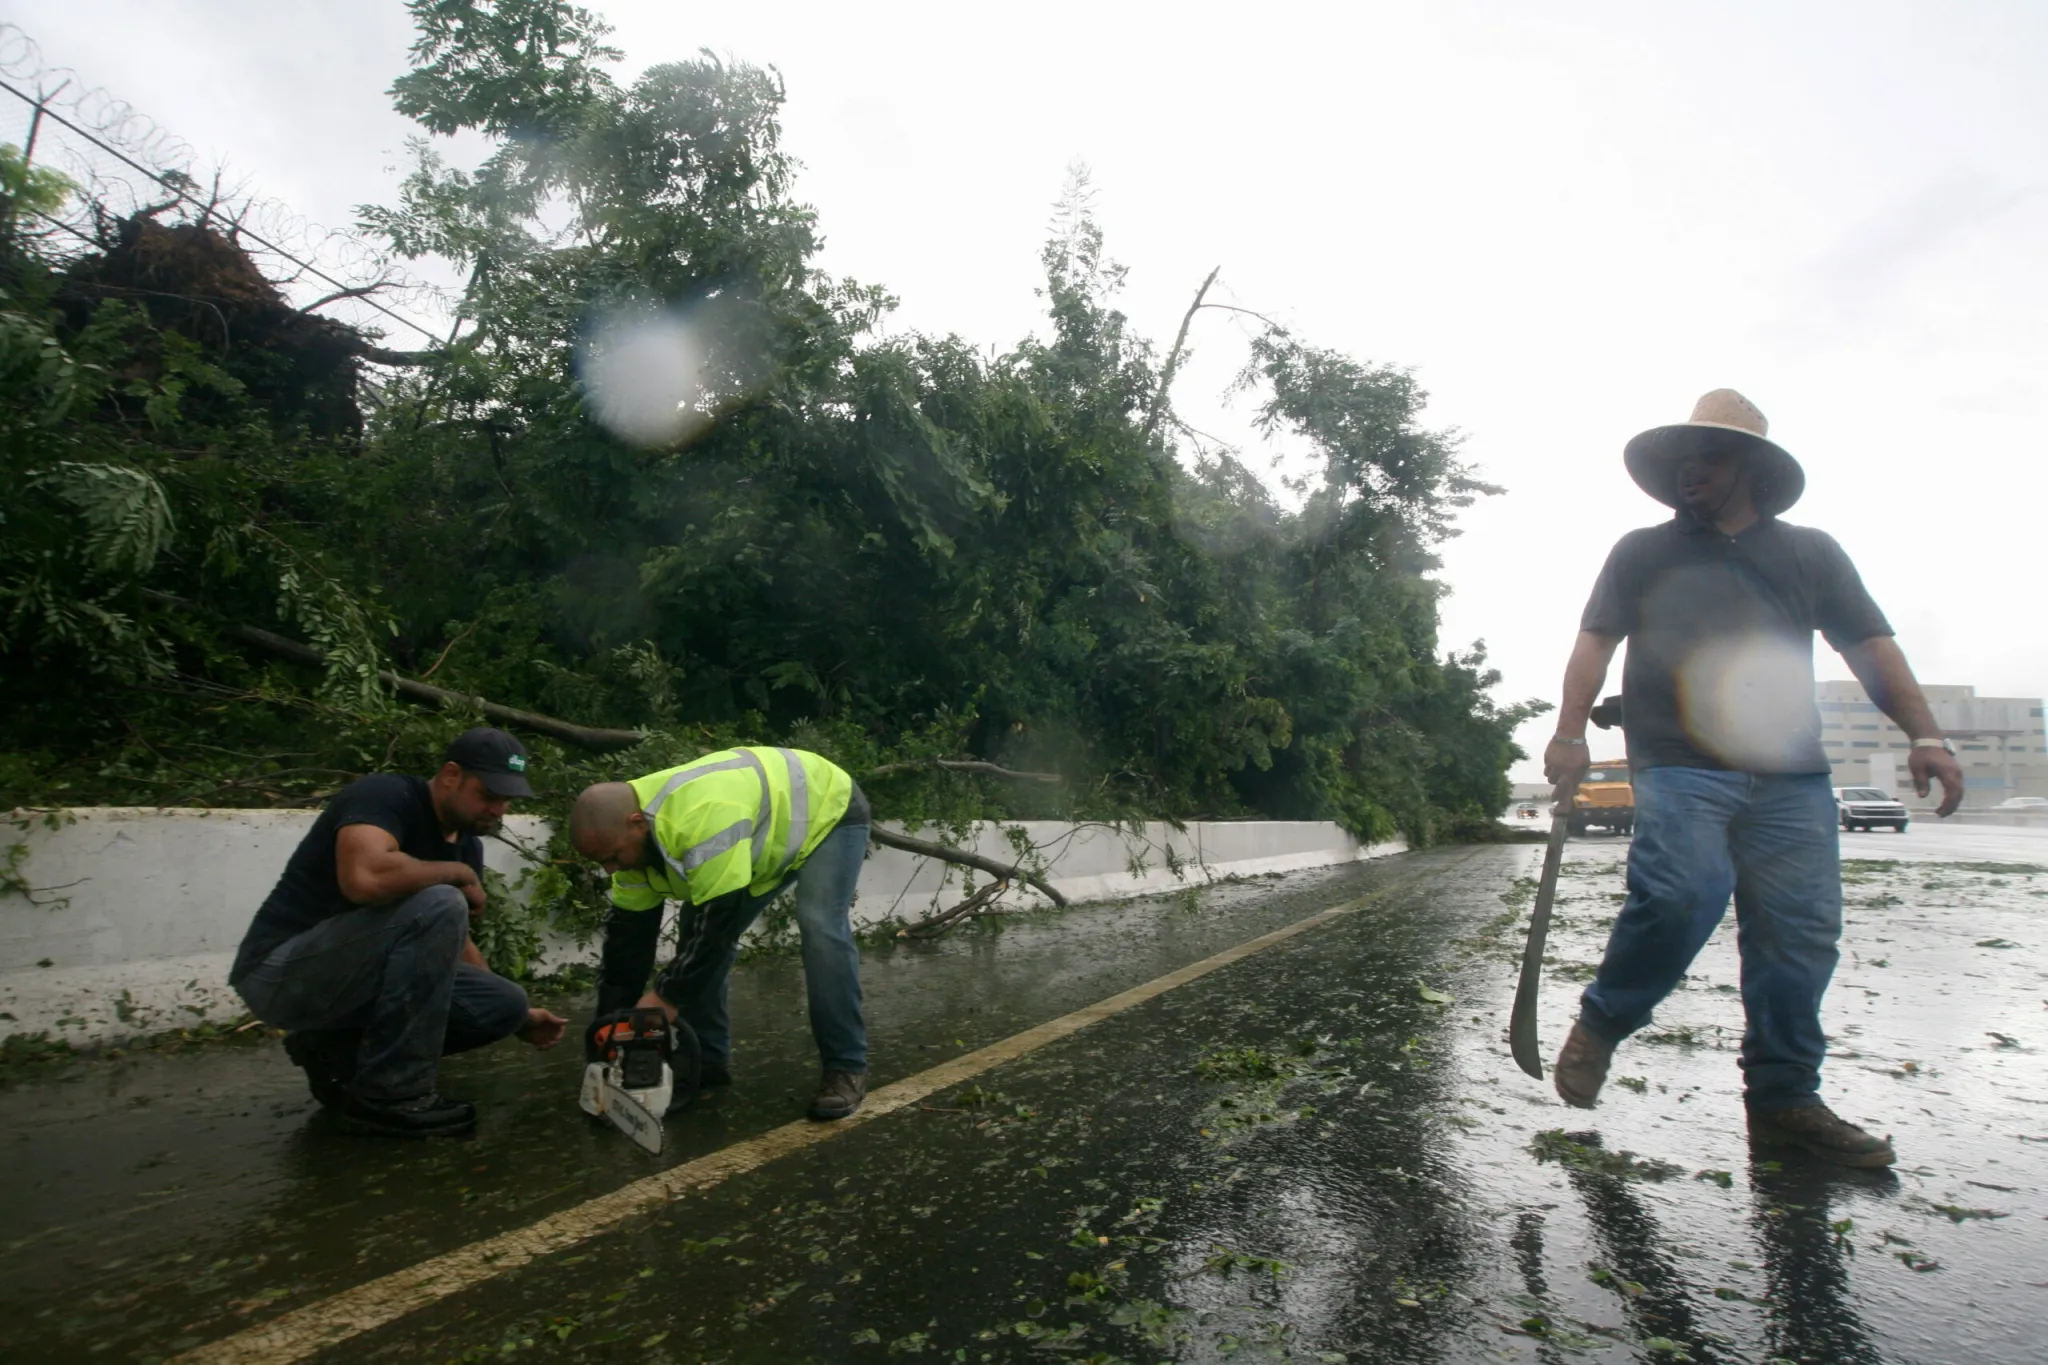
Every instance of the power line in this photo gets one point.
(206, 209)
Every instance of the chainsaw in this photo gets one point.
(638, 1065)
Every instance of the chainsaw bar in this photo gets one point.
(634, 1112)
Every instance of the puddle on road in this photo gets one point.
(1321, 1153)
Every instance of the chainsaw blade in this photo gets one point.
(624, 1108)
(636, 1113)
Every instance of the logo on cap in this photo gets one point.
(516, 762)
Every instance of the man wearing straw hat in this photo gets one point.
(1732, 787)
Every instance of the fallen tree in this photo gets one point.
(600, 739)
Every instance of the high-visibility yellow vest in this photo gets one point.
(739, 818)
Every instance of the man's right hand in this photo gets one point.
(543, 1028)
(1565, 764)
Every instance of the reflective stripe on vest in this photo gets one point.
(764, 822)
(799, 806)
(695, 856)
(695, 770)
(756, 829)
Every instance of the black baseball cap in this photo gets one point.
(494, 756)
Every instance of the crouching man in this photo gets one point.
(362, 950)
(722, 836)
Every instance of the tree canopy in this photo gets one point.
(877, 545)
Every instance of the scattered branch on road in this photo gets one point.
(980, 903)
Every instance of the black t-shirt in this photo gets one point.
(310, 889)
(1720, 641)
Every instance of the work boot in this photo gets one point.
(1581, 1067)
(839, 1094)
(426, 1116)
(714, 1073)
(328, 1057)
(1818, 1129)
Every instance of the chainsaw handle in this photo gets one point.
(646, 1022)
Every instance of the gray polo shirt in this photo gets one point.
(1720, 640)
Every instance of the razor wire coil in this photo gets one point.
(101, 142)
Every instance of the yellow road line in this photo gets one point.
(330, 1321)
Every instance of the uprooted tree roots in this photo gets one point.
(195, 280)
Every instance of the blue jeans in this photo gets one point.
(1771, 840)
(696, 982)
(388, 978)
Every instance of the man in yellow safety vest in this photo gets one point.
(723, 835)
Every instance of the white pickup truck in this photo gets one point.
(1869, 808)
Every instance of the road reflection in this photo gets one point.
(1806, 1248)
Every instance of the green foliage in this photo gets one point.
(40, 375)
(883, 547)
(1583, 1152)
(509, 932)
(122, 511)
(27, 190)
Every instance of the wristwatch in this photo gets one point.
(1934, 744)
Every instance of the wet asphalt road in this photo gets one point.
(1300, 1156)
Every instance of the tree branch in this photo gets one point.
(361, 291)
(1180, 342)
(1201, 436)
(379, 355)
(889, 838)
(934, 925)
(961, 765)
(1248, 312)
(583, 736)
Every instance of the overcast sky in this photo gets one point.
(1570, 220)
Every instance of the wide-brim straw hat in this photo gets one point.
(1721, 420)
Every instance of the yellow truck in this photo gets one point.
(1604, 800)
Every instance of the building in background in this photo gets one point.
(2000, 742)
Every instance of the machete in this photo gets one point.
(1522, 1024)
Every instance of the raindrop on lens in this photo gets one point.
(643, 377)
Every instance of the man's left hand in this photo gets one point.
(543, 1028)
(651, 1001)
(1927, 762)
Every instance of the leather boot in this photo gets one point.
(1581, 1068)
(1818, 1129)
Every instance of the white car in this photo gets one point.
(1869, 808)
(2023, 803)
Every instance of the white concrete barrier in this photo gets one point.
(133, 914)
